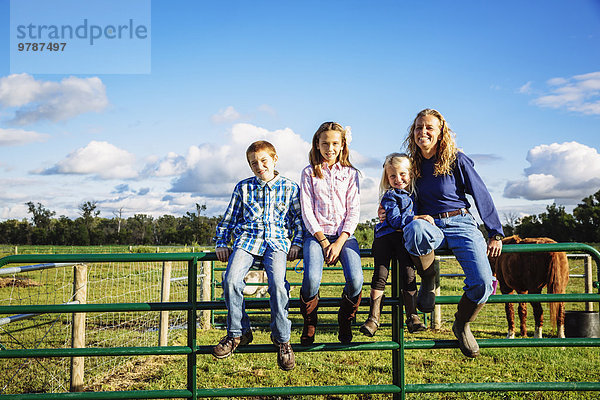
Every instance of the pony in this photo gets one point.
(529, 273)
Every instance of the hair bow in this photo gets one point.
(348, 130)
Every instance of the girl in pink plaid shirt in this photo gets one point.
(330, 210)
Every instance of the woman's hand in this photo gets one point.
(427, 218)
(381, 213)
(494, 247)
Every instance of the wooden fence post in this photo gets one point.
(205, 294)
(78, 332)
(588, 275)
(165, 291)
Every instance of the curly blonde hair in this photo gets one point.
(446, 148)
(314, 156)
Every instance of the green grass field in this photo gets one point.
(134, 282)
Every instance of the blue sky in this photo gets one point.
(519, 83)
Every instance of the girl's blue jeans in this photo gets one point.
(461, 235)
(238, 321)
(313, 266)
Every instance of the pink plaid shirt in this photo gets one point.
(331, 204)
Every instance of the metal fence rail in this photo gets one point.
(398, 387)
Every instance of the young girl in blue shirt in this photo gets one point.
(395, 189)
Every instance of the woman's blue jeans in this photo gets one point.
(313, 266)
(238, 321)
(461, 235)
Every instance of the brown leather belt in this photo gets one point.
(449, 214)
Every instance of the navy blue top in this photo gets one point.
(398, 206)
(438, 194)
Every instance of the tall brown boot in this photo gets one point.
(466, 313)
(413, 323)
(426, 296)
(309, 313)
(346, 314)
(372, 324)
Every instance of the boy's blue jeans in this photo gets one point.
(313, 266)
(238, 321)
(461, 235)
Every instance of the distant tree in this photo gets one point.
(140, 227)
(89, 213)
(555, 223)
(13, 231)
(365, 232)
(587, 214)
(511, 220)
(119, 216)
(40, 215)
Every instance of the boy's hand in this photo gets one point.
(223, 253)
(293, 253)
(427, 218)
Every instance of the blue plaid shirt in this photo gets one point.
(262, 214)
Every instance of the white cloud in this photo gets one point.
(580, 93)
(267, 109)
(101, 159)
(211, 171)
(38, 100)
(526, 88)
(14, 137)
(227, 115)
(566, 172)
(171, 165)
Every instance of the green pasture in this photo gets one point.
(140, 282)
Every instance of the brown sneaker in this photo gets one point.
(228, 344)
(414, 324)
(285, 355)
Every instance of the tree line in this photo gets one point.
(89, 228)
(193, 228)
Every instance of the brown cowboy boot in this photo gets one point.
(413, 323)
(466, 313)
(372, 324)
(346, 314)
(309, 313)
(426, 296)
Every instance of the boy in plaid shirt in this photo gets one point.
(265, 220)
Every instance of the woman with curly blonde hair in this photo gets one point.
(443, 177)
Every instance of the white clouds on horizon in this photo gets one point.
(15, 137)
(102, 159)
(37, 100)
(213, 170)
(566, 172)
(579, 93)
(205, 174)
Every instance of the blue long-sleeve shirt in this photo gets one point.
(438, 194)
(398, 206)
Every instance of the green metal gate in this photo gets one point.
(397, 345)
